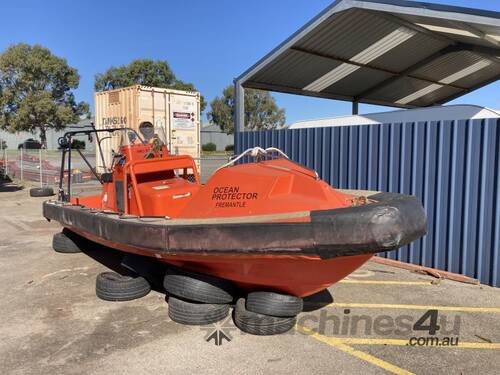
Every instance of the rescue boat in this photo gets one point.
(261, 221)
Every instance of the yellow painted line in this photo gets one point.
(331, 340)
(373, 360)
(385, 282)
(403, 342)
(355, 353)
(417, 307)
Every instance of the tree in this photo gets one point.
(36, 91)
(261, 110)
(143, 72)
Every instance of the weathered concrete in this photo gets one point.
(52, 322)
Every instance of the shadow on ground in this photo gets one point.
(126, 264)
(317, 301)
(7, 186)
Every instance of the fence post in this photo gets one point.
(40, 166)
(3, 158)
(22, 156)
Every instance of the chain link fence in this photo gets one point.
(210, 163)
(42, 167)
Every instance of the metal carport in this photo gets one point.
(387, 52)
(403, 54)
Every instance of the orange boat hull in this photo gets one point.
(296, 275)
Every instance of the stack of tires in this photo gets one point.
(197, 299)
(267, 313)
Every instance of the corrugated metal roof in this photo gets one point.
(396, 53)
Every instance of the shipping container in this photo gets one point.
(174, 115)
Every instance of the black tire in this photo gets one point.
(274, 304)
(67, 242)
(41, 192)
(260, 324)
(111, 286)
(197, 287)
(193, 313)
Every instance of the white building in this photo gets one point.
(438, 113)
(14, 139)
(211, 133)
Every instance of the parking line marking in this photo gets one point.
(385, 282)
(372, 359)
(403, 342)
(354, 352)
(417, 307)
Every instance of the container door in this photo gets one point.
(160, 105)
(110, 113)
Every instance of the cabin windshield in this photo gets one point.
(129, 137)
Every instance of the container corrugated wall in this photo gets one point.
(452, 166)
(175, 115)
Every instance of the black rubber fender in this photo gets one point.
(388, 222)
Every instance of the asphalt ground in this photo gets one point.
(52, 322)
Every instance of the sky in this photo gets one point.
(208, 43)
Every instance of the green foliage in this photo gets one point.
(143, 72)
(138, 72)
(229, 148)
(261, 110)
(186, 86)
(209, 147)
(36, 90)
(30, 144)
(77, 144)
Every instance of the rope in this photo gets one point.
(255, 152)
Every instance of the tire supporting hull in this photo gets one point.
(300, 276)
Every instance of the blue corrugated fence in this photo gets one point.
(452, 166)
